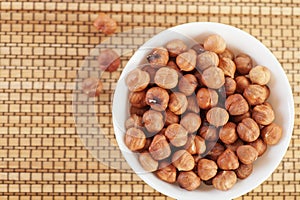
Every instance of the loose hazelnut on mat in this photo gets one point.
(206, 60)
(147, 162)
(183, 160)
(207, 98)
(176, 47)
(208, 132)
(188, 180)
(247, 154)
(109, 60)
(92, 87)
(159, 148)
(224, 180)
(166, 172)
(244, 171)
(227, 53)
(242, 82)
(158, 57)
(214, 150)
(105, 24)
(213, 77)
(186, 61)
(191, 122)
(138, 99)
(192, 104)
(166, 77)
(137, 80)
(263, 114)
(228, 160)
(271, 134)
(256, 94)
(217, 116)
(260, 146)
(230, 86)
(214, 43)
(153, 121)
(228, 134)
(157, 98)
(171, 118)
(187, 84)
(138, 111)
(178, 103)
(135, 139)
(248, 130)
(207, 169)
(134, 121)
(236, 105)
(243, 64)
(195, 145)
(177, 135)
(228, 67)
(260, 75)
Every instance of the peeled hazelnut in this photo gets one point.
(224, 180)
(137, 80)
(217, 116)
(191, 122)
(176, 47)
(196, 145)
(243, 64)
(236, 105)
(178, 103)
(157, 98)
(256, 94)
(271, 134)
(228, 160)
(138, 111)
(233, 147)
(109, 60)
(137, 99)
(171, 118)
(230, 86)
(247, 154)
(207, 98)
(147, 162)
(186, 61)
(209, 133)
(213, 77)
(228, 134)
(206, 60)
(260, 146)
(242, 82)
(176, 134)
(228, 67)
(105, 24)
(188, 180)
(226, 54)
(207, 169)
(187, 84)
(159, 148)
(166, 172)
(214, 43)
(239, 118)
(244, 171)
(248, 130)
(263, 114)
(92, 87)
(158, 57)
(215, 150)
(135, 139)
(166, 78)
(183, 160)
(134, 121)
(260, 75)
(153, 121)
(192, 104)
(198, 48)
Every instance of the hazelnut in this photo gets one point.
(228, 67)
(215, 150)
(183, 160)
(236, 105)
(137, 99)
(105, 24)
(192, 104)
(214, 43)
(213, 77)
(186, 61)
(260, 75)
(191, 122)
(196, 145)
(260, 146)
(248, 130)
(166, 78)
(109, 60)
(247, 154)
(207, 98)
(209, 133)
(244, 170)
(157, 98)
(158, 57)
(147, 162)
(271, 134)
(176, 47)
(188, 180)
(233, 147)
(230, 86)
(166, 172)
(227, 53)
(153, 121)
(207, 169)
(198, 48)
(243, 64)
(177, 135)
(224, 180)
(256, 94)
(172, 64)
(228, 160)
(134, 121)
(178, 103)
(135, 139)
(242, 82)
(228, 134)
(137, 80)
(217, 116)
(263, 114)
(187, 84)
(92, 87)
(151, 70)
(138, 111)
(239, 118)
(159, 148)
(171, 118)
(206, 60)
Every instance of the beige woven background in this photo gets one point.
(42, 46)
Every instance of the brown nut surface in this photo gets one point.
(243, 64)
(172, 64)
(228, 134)
(230, 86)
(171, 118)
(166, 78)
(92, 87)
(188, 180)
(213, 77)
(178, 103)
(134, 121)
(271, 134)
(138, 99)
(244, 171)
(158, 57)
(159, 148)
(191, 122)
(217, 116)
(105, 24)
(228, 160)
(242, 82)
(176, 134)
(224, 180)
(157, 98)
(138, 111)
(206, 60)
(109, 60)
(195, 145)
(260, 146)
(137, 80)
(256, 94)
(186, 61)
(176, 47)
(166, 172)
(214, 43)
(247, 154)
(236, 105)
(206, 169)
(192, 104)
(248, 130)
(207, 98)
(198, 48)
(147, 162)
(135, 139)
(183, 160)
(228, 67)
(233, 147)
(187, 84)
(214, 150)
(208, 132)
(227, 53)
(260, 75)
(263, 114)
(238, 118)
(153, 121)
(151, 70)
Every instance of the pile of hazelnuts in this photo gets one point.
(200, 114)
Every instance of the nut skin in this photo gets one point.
(263, 114)
(137, 80)
(176, 47)
(233, 147)
(172, 64)
(109, 60)
(213, 77)
(159, 147)
(247, 154)
(186, 61)
(260, 146)
(209, 133)
(214, 43)
(228, 160)
(256, 94)
(230, 86)
(178, 103)
(217, 116)
(243, 64)
(166, 78)
(248, 130)
(135, 139)
(147, 162)
(242, 82)
(238, 118)
(137, 99)
(191, 122)
(171, 118)
(92, 87)
(153, 121)
(236, 105)
(227, 53)
(177, 135)
(206, 60)
(228, 134)
(244, 171)
(157, 98)
(134, 121)
(192, 104)
(195, 145)
(224, 180)
(260, 75)
(166, 172)
(198, 48)
(183, 160)
(138, 111)
(214, 150)
(188, 180)
(151, 70)
(206, 169)
(158, 57)
(187, 84)
(105, 24)
(271, 134)
(207, 98)
(228, 67)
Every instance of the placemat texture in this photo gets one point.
(43, 44)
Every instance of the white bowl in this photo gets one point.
(281, 98)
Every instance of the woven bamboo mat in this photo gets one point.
(43, 44)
